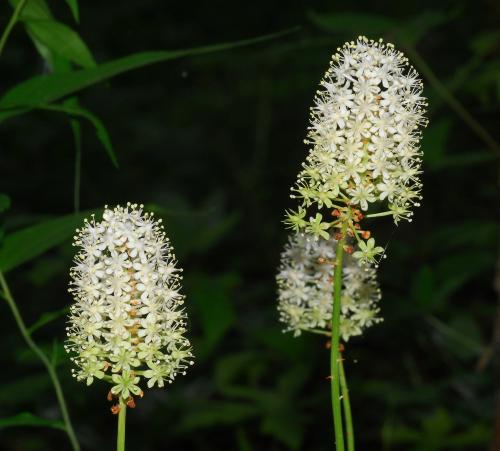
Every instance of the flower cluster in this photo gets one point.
(127, 322)
(364, 133)
(305, 288)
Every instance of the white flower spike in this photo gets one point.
(127, 323)
(305, 289)
(365, 132)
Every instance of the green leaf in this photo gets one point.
(45, 89)
(46, 318)
(33, 9)
(23, 245)
(28, 419)
(61, 40)
(101, 131)
(212, 297)
(4, 202)
(73, 6)
(372, 25)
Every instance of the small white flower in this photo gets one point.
(365, 125)
(126, 321)
(305, 288)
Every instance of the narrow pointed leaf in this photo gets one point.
(26, 244)
(101, 131)
(61, 40)
(45, 89)
(73, 6)
(28, 419)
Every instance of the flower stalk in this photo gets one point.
(334, 353)
(122, 416)
(346, 404)
(6, 294)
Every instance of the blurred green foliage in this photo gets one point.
(211, 141)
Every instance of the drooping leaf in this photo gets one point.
(33, 9)
(61, 40)
(28, 419)
(101, 131)
(73, 6)
(45, 89)
(23, 245)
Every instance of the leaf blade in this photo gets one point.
(23, 245)
(75, 10)
(45, 89)
(28, 419)
(101, 131)
(61, 40)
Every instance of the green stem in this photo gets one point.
(122, 415)
(334, 356)
(13, 20)
(41, 355)
(378, 215)
(347, 408)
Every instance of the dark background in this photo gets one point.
(213, 144)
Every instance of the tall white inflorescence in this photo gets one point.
(365, 134)
(305, 288)
(126, 323)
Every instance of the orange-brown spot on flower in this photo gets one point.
(365, 234)
(110, 396)
(131, 402)
(115, 410)
(348, 249)
(336, 213)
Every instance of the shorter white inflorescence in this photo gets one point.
(127, 322)
(305, 289)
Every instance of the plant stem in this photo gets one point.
(41, 355)
(13, 20)
(122, 415)
(334, 356)
(347, 407)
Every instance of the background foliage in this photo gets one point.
(212, 141)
